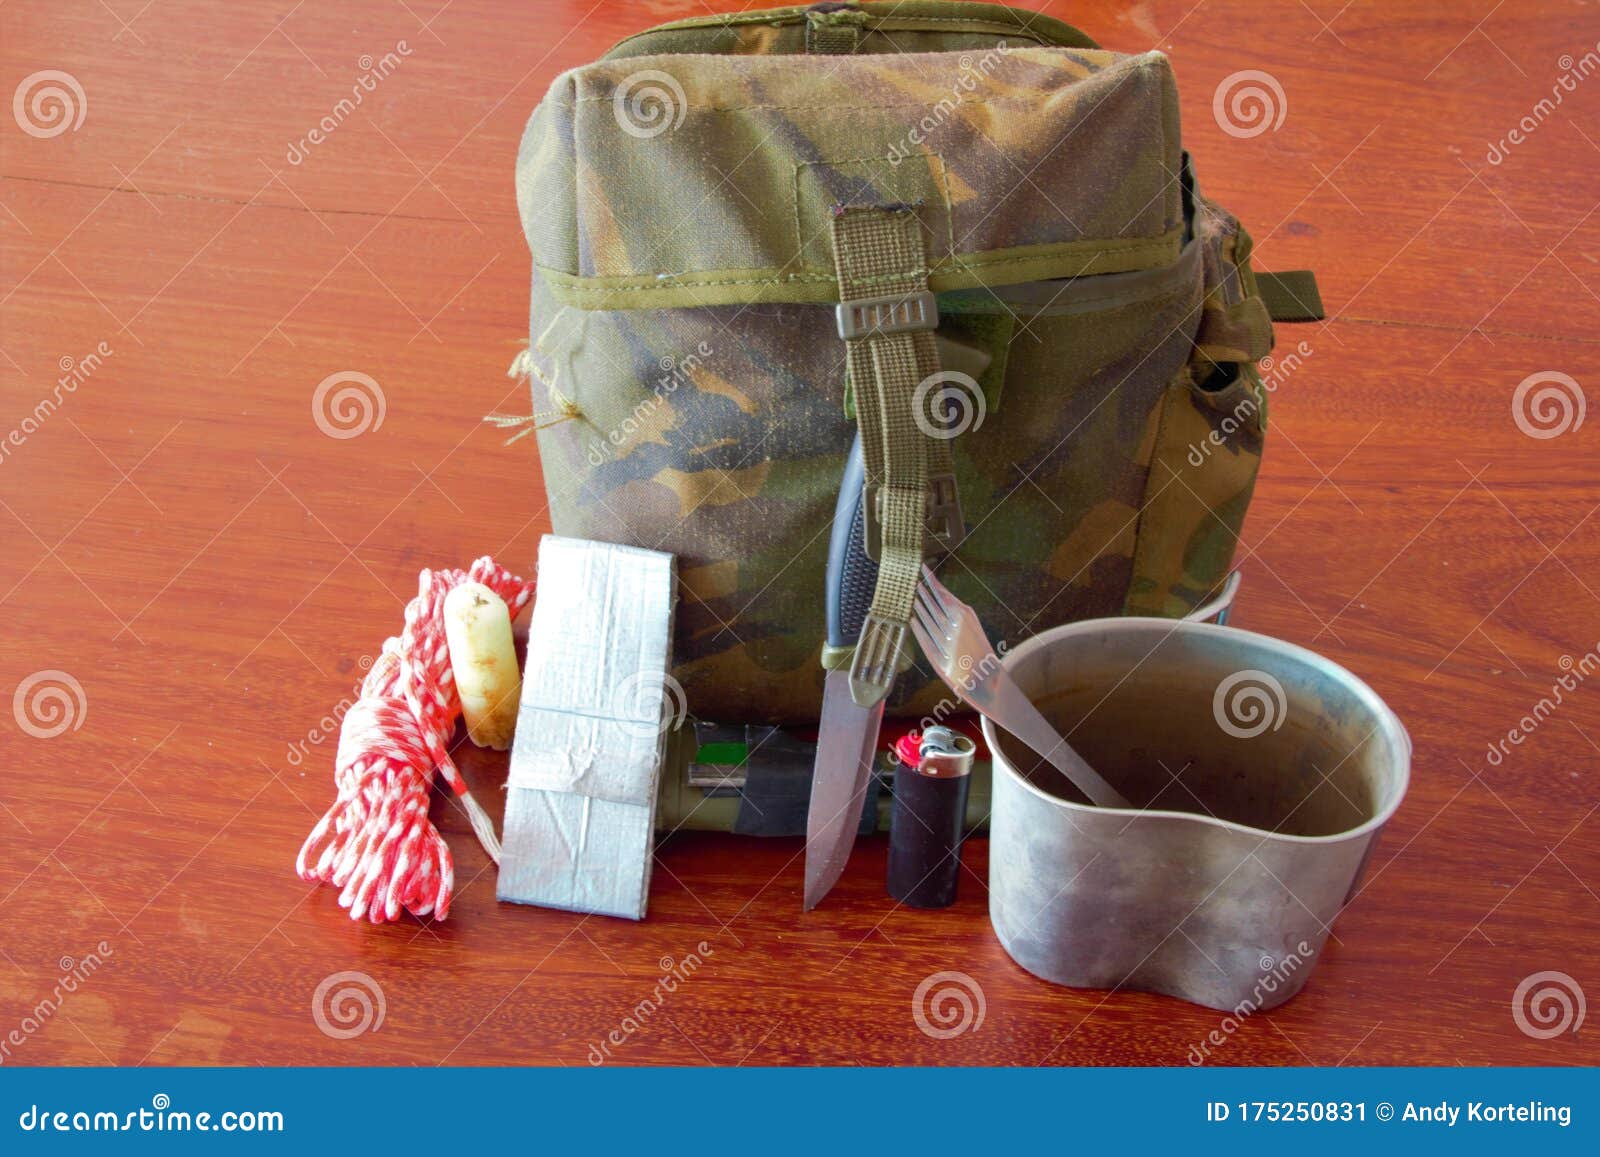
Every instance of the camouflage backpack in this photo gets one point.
(1077, 437)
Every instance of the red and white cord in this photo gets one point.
(376, 841)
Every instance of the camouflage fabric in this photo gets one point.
(690, 380)
(888, 26)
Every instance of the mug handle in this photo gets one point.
(1218, 607)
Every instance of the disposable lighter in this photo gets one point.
(930, 804)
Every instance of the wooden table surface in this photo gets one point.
(184, 545)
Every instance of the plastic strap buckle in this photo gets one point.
(877, 659)
(897, 313)
(944, 523)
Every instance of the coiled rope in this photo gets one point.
(376, 841)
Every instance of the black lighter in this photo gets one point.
(930, 806)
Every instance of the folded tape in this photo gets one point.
(597, 702)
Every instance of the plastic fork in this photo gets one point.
(952, 638)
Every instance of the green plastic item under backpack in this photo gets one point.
(977, 186)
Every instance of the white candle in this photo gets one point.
(477, 627)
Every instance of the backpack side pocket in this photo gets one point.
(1206, 453)
(1207, 437)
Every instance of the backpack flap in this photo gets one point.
(689, 181)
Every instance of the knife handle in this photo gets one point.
(925, 837)
(852, 576)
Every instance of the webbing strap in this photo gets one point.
(887, 319)
(1291, 295)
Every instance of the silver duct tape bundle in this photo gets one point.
(591, 730)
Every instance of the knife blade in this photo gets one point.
(847, 738)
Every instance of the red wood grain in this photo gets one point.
(182, 540)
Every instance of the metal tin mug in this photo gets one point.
(1260, 774)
